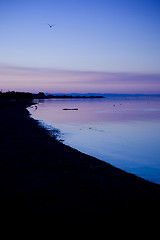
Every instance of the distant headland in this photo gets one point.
(42, 95)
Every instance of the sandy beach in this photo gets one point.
(45, 184)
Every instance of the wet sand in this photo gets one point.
(45, 184)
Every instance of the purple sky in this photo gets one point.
(95, 46)
(58, 81)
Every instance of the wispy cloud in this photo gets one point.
(54, 80)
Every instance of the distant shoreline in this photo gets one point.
(71, 96)
(41, 95)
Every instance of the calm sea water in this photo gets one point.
(123, 132)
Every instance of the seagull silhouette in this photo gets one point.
(51, 25)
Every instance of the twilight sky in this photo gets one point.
(96, 46)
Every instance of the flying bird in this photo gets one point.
(51, 25)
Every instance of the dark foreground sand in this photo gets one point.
(45, 184)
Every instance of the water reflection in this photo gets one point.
(124, 132)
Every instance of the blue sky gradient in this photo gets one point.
(111, 37)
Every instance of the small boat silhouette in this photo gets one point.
(66, 109)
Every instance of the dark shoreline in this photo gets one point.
(46, 184)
